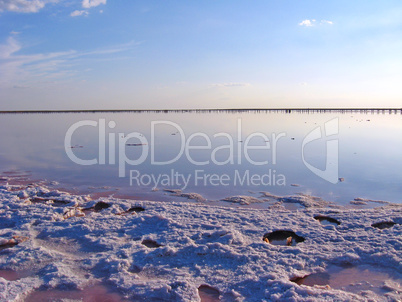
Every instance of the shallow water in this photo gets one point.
(354, 279)
(208, 294)
(11, 275)
(369, 153)
(96, 293)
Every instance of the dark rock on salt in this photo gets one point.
(321, 218)
(100, 206)
(135, 209)
(383, 224)
(151, 243)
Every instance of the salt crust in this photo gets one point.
(69, 247)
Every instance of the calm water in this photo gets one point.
(211, 153)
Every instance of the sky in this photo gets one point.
(130, 54)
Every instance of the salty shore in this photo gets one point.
(56, 242)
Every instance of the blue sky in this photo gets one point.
(116, 54)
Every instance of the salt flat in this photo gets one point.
(165, 251)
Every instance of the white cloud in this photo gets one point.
(23, 6)
(307, 23)
(92, 3)
(77, 13)
(230, 85)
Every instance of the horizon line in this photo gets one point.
(288, 110)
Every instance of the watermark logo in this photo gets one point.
(330, 173)
(202, 178)
(239, 148)
(234, 149)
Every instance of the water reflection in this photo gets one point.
(369, 151)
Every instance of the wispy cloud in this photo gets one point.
(92, 3)
(313, 22)
(77, 13)
(23, 6)
(25, 70)
(110, 50)
(16, 69)
(230, 85)
(9, 48)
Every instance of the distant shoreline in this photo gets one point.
(228, 110)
